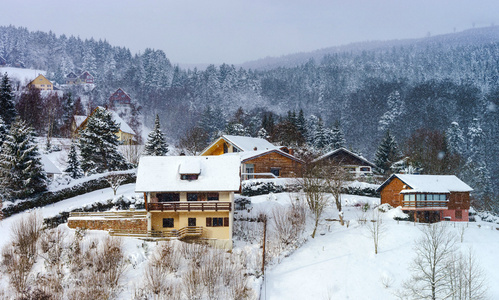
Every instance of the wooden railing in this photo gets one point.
(189, 206)
(189, 231)
(424, 204)
(128, 214)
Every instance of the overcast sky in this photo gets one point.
(235, 31)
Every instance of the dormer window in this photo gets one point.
(189, 176)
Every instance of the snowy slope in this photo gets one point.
(23, 75)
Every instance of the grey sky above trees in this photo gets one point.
(198, 31)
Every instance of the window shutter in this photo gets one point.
(226, 222)
(208, 222)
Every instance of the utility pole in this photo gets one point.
(264, 241)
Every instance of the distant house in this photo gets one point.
(126, 135)
(351, 162)
(259, 158)
(41, 83)
(190, 195)
(85, 78)
(71, 78)
(50, 169)
(429, 198)
(120, 97)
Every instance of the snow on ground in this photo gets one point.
(338, 264)
(23, 75)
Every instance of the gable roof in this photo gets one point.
(85, 75)
(79, 120)
(162, 174)
(243, 143)
(249, 155)
(49, 166)
(41, 78)
(348, 152)
(430, 183)
(71, 75)
(124, 127)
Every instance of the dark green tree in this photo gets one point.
(387, 152)
(73, 168)
(21, 169)
(98, 144)
(156, 144)
(7, 108)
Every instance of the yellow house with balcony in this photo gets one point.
(41, 83)
(190, 195)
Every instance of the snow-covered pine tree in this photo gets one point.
(262, 134)
(7, 107)
(455, 139)
(156, 144)
(73, 168)
(21, 169)
(98, 144)
(387, 152)
(337, 137)
(301, 124)
(3, 131)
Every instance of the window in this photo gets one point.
(226, 148)
(250, 168)
(189, 176)
(217, 222)
(168, 222)
(275, 171)
(365, 169)
(191, 222)
(212, 196)
(168, 197)
(459, 214)
(192, 197)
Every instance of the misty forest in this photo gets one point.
(420, 91)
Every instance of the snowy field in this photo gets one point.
(23, 75)
(338, 264)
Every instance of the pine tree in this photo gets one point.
(387, 152)
(301, 124)
(7, 108)
(455, 139)
(156, 144)
(99, 144)
(337, 137)
(21, 169)
(3, 131)
(73, 168)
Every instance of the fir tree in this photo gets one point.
(387, 152)
(337, 137)
(156, 144)
(99, 144)
(301, 124)
(73, 168)
(455, 139)
(21, 169)
(3, 131)
(7, 108)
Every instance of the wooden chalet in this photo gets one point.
(120, 97)
(85, 78)
(71, 78)
(41, 83)
(259, 158)
(126, 135)
(190, 195)
(351, 162)
(430, 198)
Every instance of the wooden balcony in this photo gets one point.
(424, 205)
(182, 233)
(190, 206)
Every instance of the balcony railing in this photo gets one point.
(184, 232)
(424, 204)
(190, 206)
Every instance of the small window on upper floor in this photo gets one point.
(189, 176)
(365, 169)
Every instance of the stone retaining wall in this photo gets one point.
(106, 224)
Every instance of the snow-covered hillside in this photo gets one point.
(22, 75)
(338, 264)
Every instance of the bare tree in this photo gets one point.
(194, 141)
(335, 178)
(376, 228)
(429, 269)
(115, 181)
(312, 183)
(466, 279)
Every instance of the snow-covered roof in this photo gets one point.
(123, 125)
(190, 167)
(49, 166)
(348, 152)
(245, 143)
(79, 120)
(248, 155)
(430, 183)
(162, 174)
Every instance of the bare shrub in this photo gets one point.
(19, 256)
(52, 246)
(376, 228)
(192, 283)
(288, 223)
